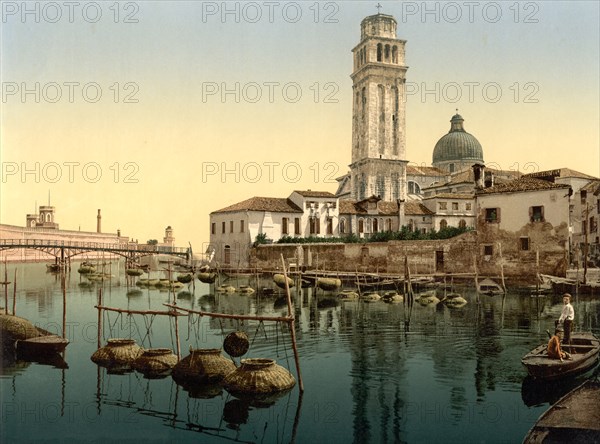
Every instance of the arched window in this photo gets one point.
(387, 53)
(389, 224)
(379, 52)
(343, 225)
(443, 224)
(361, 225)
(413, 187)
(375, 226)
(395, 54)
(462, 224)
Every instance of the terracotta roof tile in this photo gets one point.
(348, 206)
(309, 193)
(416, 209)
(522, 184)
(450, 196)
(415, 170)
(274, 204)
(561, 172)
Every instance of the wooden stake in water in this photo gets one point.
(292, 326)
(14, 310)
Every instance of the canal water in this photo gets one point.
(450, 375)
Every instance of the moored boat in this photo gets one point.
(573, 418)
(584, 348)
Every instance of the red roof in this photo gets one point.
(274, 204)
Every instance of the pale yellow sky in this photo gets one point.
(167, 111)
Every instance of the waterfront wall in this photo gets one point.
(453, 256)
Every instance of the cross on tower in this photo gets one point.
(378, 8)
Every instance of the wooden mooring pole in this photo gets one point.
(292, 326)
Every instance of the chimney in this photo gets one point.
(478, 175)
(489, 179)
(99, 223)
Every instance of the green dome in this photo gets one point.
(457, 145)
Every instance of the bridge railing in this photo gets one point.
(91, 245)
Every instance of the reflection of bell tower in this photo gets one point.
(378, 116)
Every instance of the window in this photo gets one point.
(462, 224)
(488, 250)
(284, 225)
(413, 188)
(375, 226)
(361, 226)
(389, 224)
(593, 225)
(213, 228)
(583, 196)
(443, 224)
(536, 214)
(231, 226)
(223, 227)
(451, 167)
(455, 206)
(241, 226)
(314, 225)
(524, 243)
(492, 215)
(342, 226)
(329, 225)
(468, 206)
(443, 205)
(297, 225)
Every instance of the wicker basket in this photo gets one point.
(117, 352)
(259, 376)
(203, 365)
(236, 344)
(14, 328)
(156, 362)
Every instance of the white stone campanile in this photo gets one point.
(378, 117)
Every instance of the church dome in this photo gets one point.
(457, 146)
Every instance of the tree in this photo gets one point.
(152, 242)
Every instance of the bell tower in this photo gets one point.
(378, 115)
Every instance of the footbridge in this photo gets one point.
(64, 250)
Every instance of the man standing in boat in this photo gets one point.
(567, 316)
(554, 350)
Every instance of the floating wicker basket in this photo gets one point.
(207, 278)
(259, 376)
(203, 365)
(156, 361)
(236, 344)
(117, 352)
(14, 328)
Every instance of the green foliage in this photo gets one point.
(385, 236)
(152, 242)
(261, 239)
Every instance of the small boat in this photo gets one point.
(392, 297)
(348, 295)
(489, 287)
(42, 345)
(207, 277)
(454, 300)
(185, 278)
(245, 289)
(328, 284)
(573, 418)
(134, 272)
(584, 349)
(279, 280)
(53, 268)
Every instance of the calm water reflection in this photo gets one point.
(454, 376)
